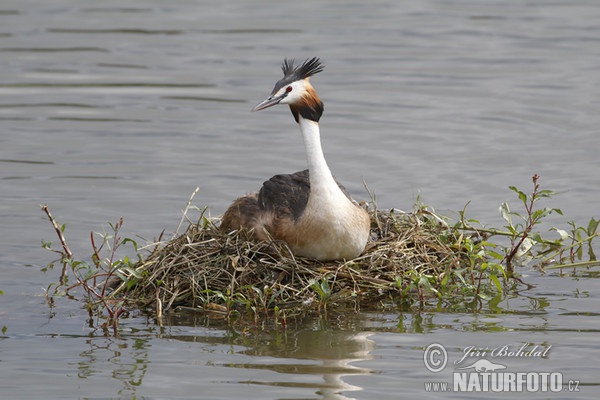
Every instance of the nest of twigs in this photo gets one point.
(206, 267)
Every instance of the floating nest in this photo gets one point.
(206, 268)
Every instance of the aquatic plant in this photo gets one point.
(412, 258)
(96, 276)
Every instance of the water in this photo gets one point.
(122, 108)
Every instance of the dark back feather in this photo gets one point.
(286, 195)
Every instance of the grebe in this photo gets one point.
(309, 210)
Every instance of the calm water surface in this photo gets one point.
(112, 109)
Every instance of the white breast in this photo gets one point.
(332, 228)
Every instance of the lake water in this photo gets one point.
(112, 109)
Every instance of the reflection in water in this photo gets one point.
(336, 351)
(127, 362)
(310, 354)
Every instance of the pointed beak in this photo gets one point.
(270, 101)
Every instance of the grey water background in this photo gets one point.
(112, 109)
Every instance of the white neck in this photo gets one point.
(321, 178)
(337, 228)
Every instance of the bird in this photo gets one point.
(309, 210)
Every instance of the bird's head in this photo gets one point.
(295, 90)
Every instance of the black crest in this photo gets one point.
(308, 68)
(293, 73)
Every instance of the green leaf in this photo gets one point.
(495, 254)
(445, 279)
(592, 226)
(325, 287)
(133, 242)
(132, 271)
(505, 212)
(513, 231)
(591, 253)
(131, 283)
(536, 237)
(79, 265)
(544, 193)
(91, 273)
(461, 278)
(485, 243)
(522, 196)
(484, 296)
(424, 282)
(564, 235)
(493, 303)
(322, 288)
(539, 214)
(496, 283)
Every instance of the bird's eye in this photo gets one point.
(288, 89)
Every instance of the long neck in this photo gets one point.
(320, 175)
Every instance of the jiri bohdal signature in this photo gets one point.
(508, 351)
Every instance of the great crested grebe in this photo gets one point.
(309, 210)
